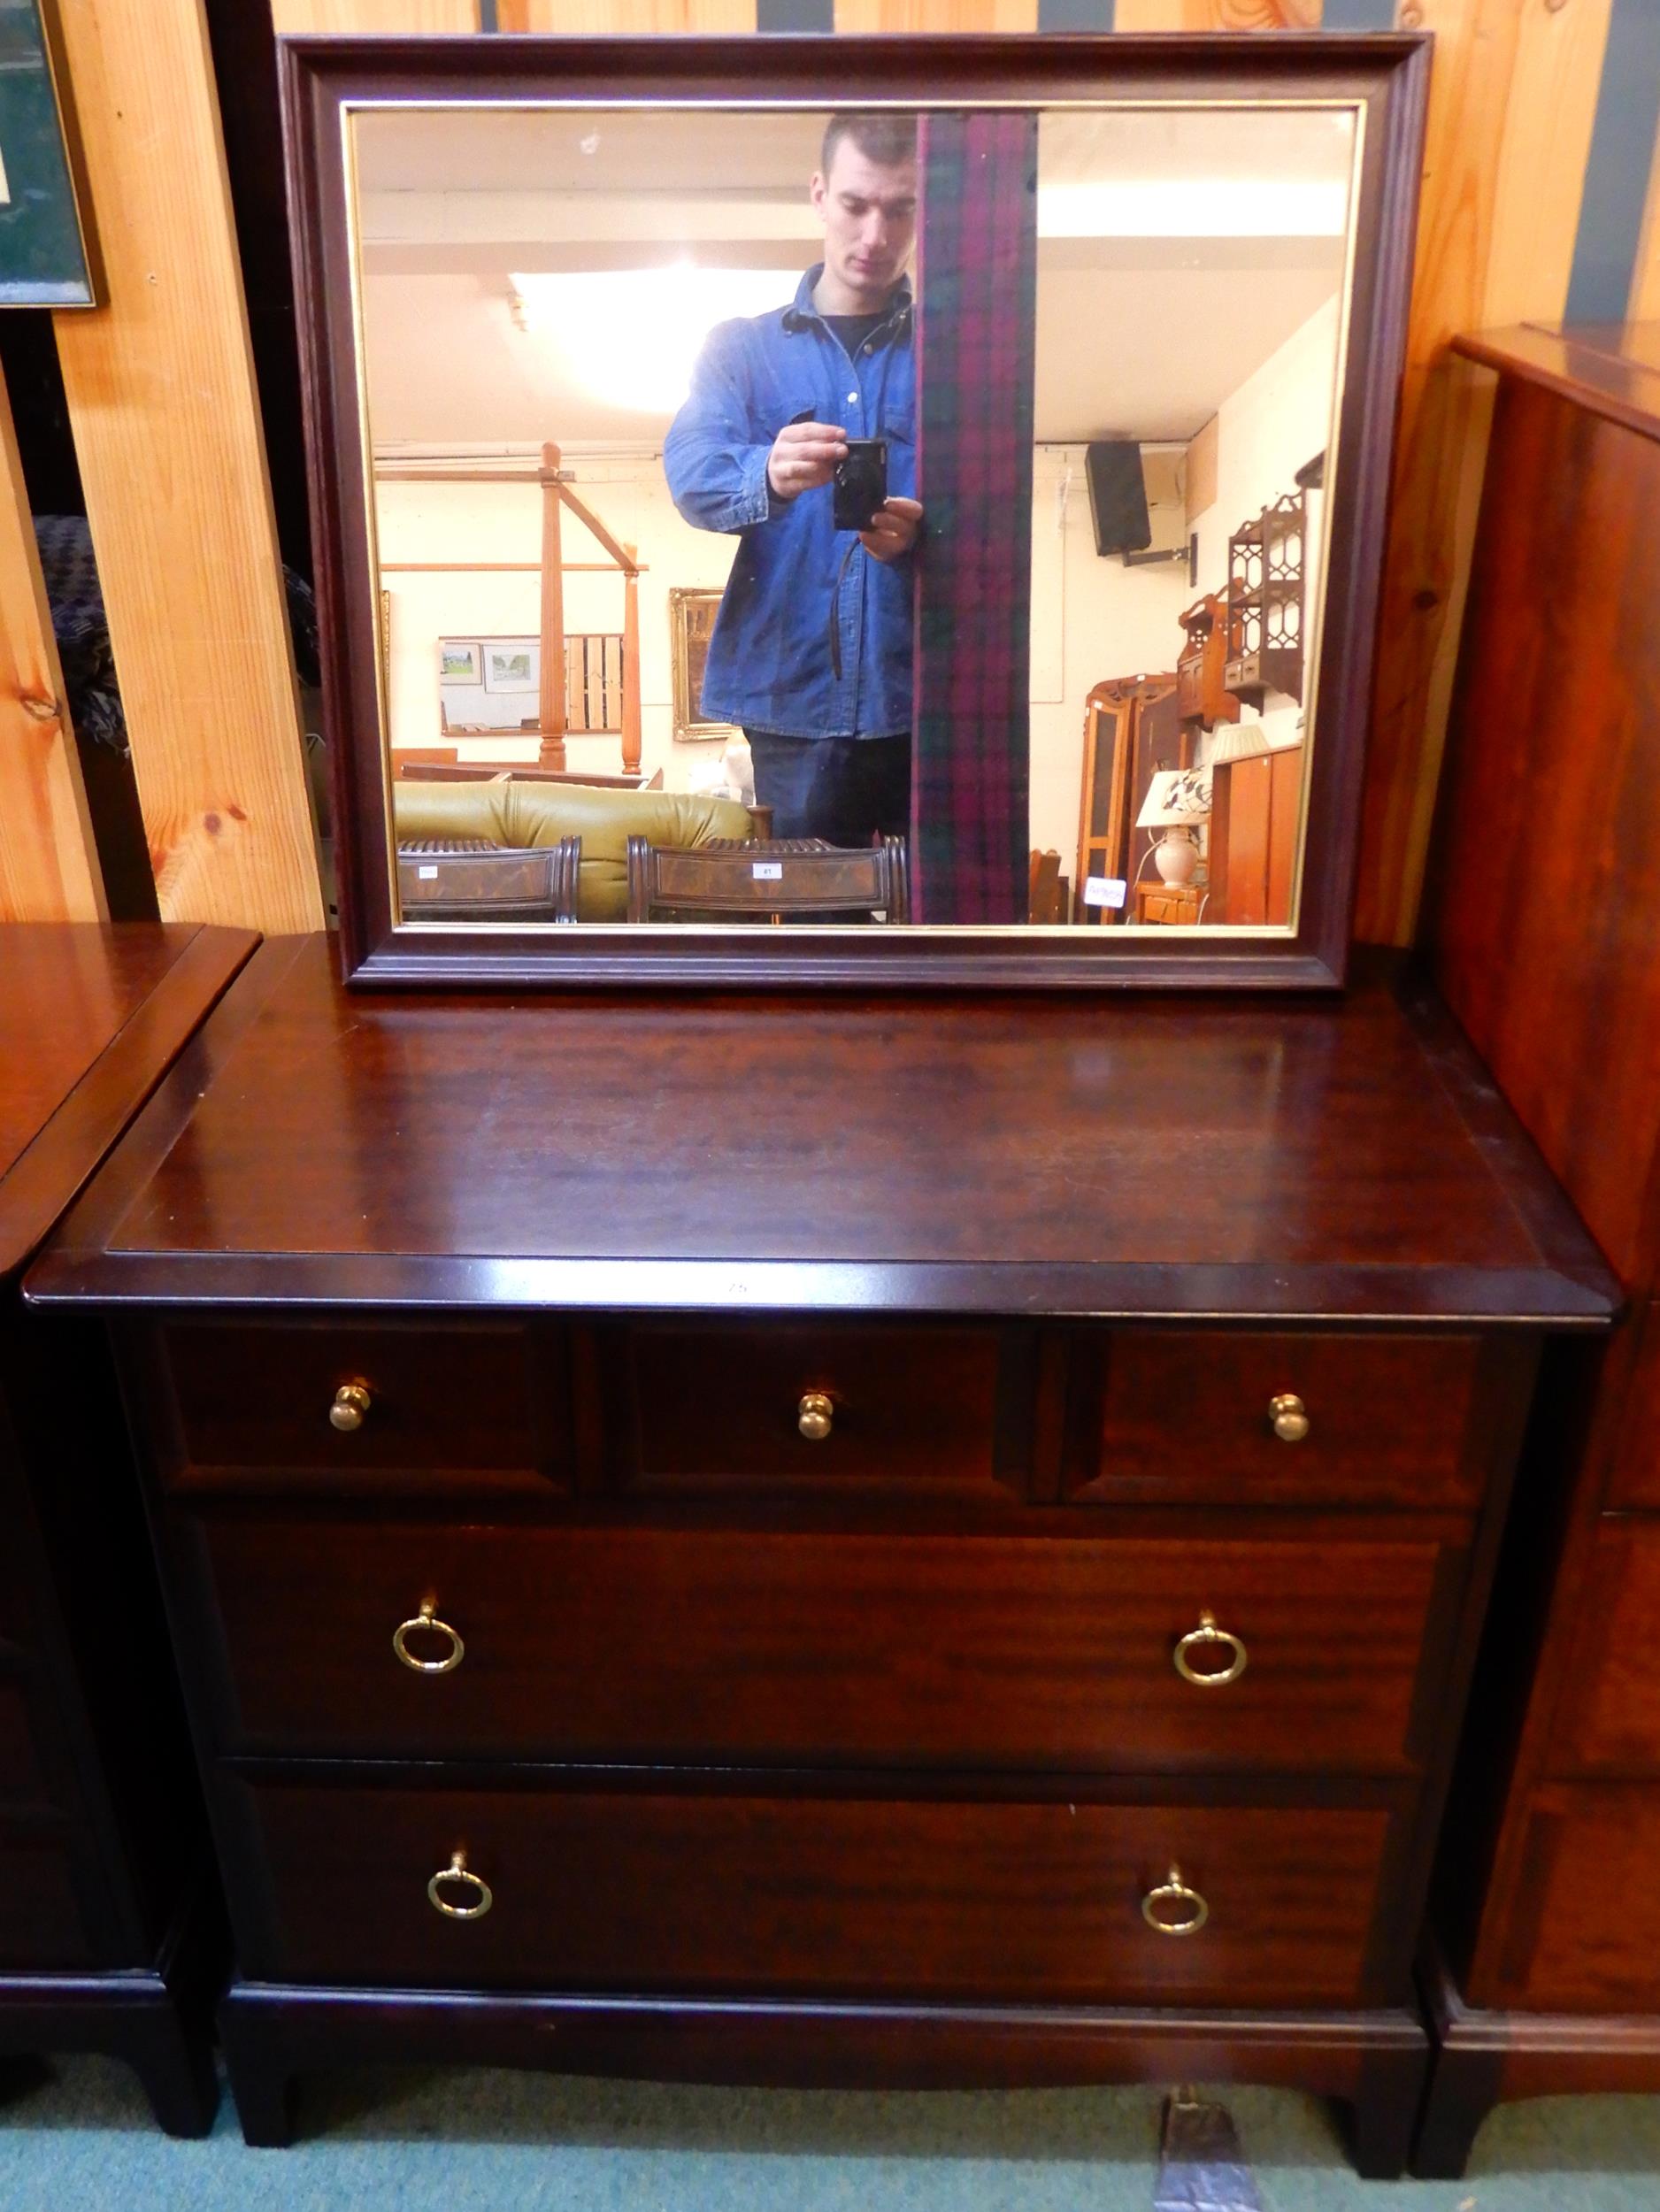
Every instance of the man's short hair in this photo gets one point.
(888, 140)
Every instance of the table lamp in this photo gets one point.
(1178, 800)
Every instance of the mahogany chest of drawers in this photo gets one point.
(107, 1939)
(827, 1542)
(1544, 928)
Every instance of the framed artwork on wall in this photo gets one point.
(458, 664)
(692, 613)
(47, 253)
(512, 664)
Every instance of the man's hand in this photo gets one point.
(893, 531)
(805, 456)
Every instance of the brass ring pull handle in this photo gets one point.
(815, 1415)
(352, 1404)
(1289, 1417)
(1210, 1641)
(1174, 1891)
(427, 1619)
(477, 1889)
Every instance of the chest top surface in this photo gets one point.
(90, 1017)
(1020, 1156)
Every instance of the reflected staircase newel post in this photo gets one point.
(551, 705)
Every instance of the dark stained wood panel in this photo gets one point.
(1343, 1157)
(90, 1017)
(1609, 369)
(908, 1649)
(1179, 1411)
(850, 1897)
(912, 1410)
(1546, 877)
(1608, 1706)
(64, 991)
(259, 1399)
(1586, 1935)
(39, 1926)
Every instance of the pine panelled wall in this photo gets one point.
(1529, 197)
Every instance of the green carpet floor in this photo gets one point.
(475, 2141)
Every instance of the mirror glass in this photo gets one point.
(908, 519)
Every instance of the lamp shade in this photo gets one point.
(1240, 740)
(1176, 797)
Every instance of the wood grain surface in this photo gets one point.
(858, 1897)
(1512, 100)
(906, 1649)
(167, 433)
(658, 17)
(91, 1018)
(49, 864)
(1345, 1158)
(373, 16)
(1568, 1017)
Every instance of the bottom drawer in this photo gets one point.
(40, 1924)
(838, 1896)
(1586, 1923)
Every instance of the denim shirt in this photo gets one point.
(770, 665)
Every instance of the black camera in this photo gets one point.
(860, 484)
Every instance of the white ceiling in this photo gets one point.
(1141, 332)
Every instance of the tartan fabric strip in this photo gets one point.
(977, 268)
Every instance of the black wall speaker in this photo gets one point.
(1117, 497)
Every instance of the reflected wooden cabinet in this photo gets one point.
(1132, 729)
(1256, 828)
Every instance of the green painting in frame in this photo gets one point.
(47, 258)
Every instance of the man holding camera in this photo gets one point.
(781, 442)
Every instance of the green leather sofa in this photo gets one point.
(527, 814)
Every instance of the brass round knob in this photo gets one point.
(1190, 1913)
(1206, 1642)
(427, 1621)
(457, 1875)
(351, 1404)
(815, 1415)
(1290, 1418)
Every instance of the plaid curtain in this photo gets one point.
(977, 288)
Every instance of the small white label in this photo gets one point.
(1104, 890)
(768, 871)
(426, 875)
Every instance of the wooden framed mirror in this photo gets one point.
(1023, 409)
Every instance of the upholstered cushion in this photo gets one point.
(527, 814)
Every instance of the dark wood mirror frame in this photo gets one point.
(1385, 76)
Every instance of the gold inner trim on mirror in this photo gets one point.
(1072, 931)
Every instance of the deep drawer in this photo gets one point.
(1161, 1415)
(703, 1644)
(1019, 1901)
(458, 1401)
(723, 1407)
(40, 1923)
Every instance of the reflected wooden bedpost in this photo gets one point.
(551, 707)
(631, 663)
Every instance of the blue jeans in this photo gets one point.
(848, 790)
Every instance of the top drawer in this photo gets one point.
(841, 1408)
(1255, 1418)
(341, 1402)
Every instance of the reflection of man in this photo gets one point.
(812, 652)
